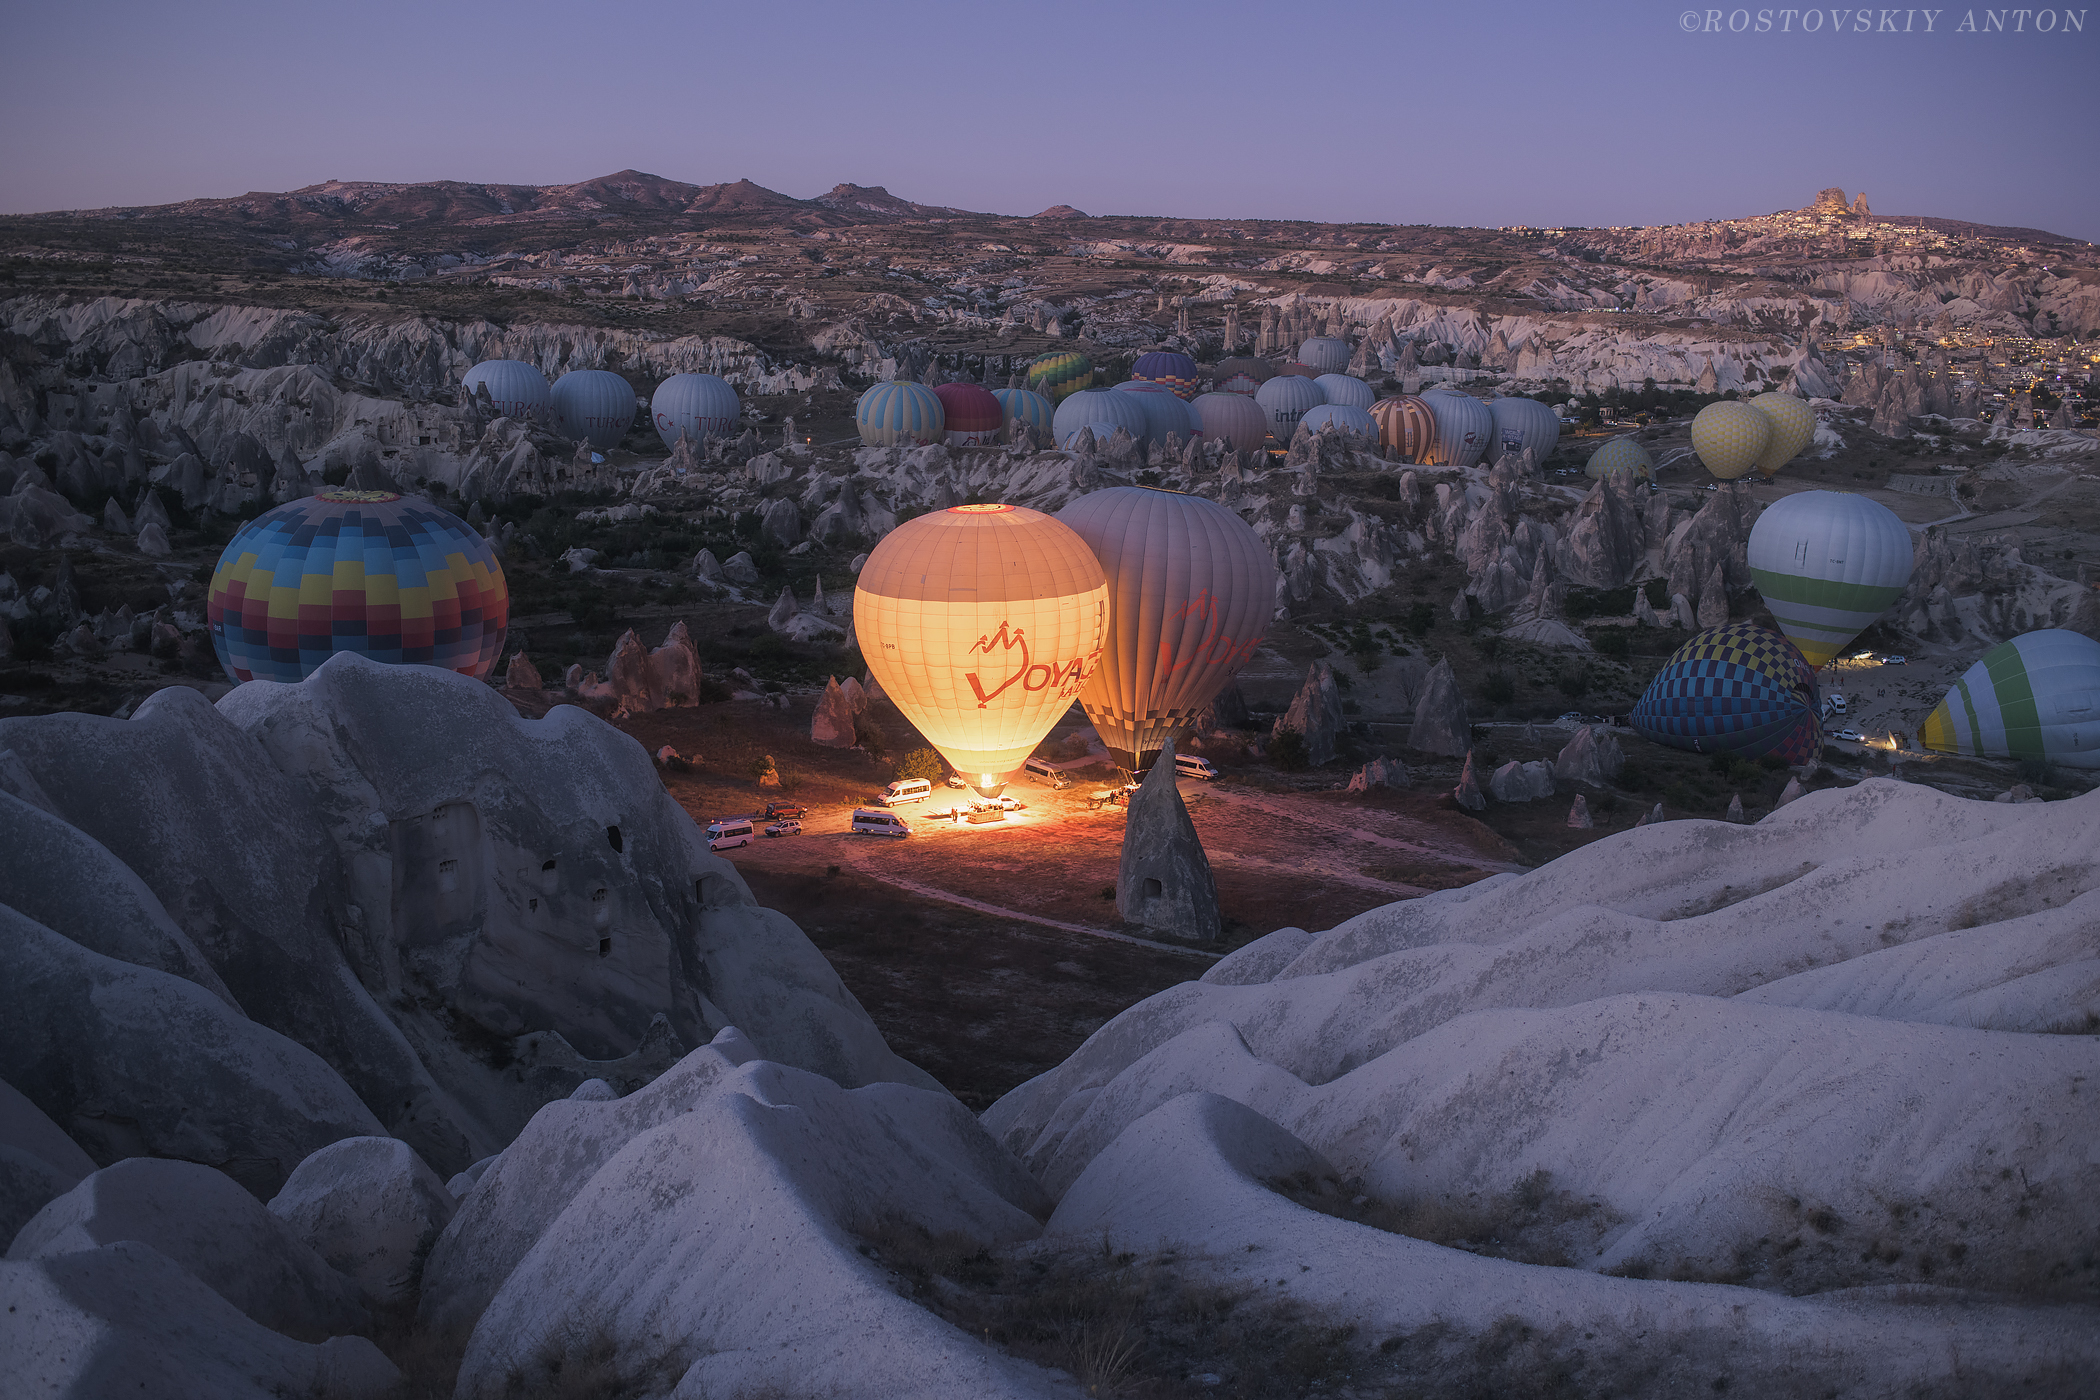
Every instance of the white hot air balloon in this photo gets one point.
(1522, 423)
(1828, 563)
(1191, 592)
(594, 406)
(1098, 408)
(1284, 400)
(1346, 389)
(694, 406)
(1166, 415)
(1464, 428)
(515, 388)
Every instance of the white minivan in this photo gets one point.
(728, 834)
(1188, 765)
(905, 790)
(1039, 768)
(867, 821)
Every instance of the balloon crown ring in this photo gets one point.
(357, 497)
(978, 510)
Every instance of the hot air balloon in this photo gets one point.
(1739, 689)
(1342, 388)
(694, 406)
(1242, 374)
(1165, 413)
(1324, 354)
(1827, 564)
(1302, 370)
(389, 578)
(1522, 423)
(1621, 455)
(1026, 408)
(900, 413)
(983, 624)
(1104, 407)
(1191, 591)
(1793, 425)
(1464, 428)
(1729, 437)
(594, 406)
(1059, 373)
(515, 388)
(1176, 371)
(969, 414)
(1233, 419)
(2036, 696)
(1284, 400)
(1345, 416)
(1406, 427)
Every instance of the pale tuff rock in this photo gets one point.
(1792, 793)
(1379, 773)
(780, 523)
(1521, 782)
(872, 688)
(1315, 713)
(1643, 610)
(521, 674)
(1440, 725)
(1713, 599)
(1579, 814)
(1163, 881)
(631, 682)
(832, 724)
(579, 560)
(788, 619)
(1605, 544)
(1681, 614)
(37, 1161)
(371, 1209)
(1651, 816)
(740, 568)
(677, 664)
(707, 568)
(856, 698)
(784, 610)
(1467, 793)
(1735, 808)
(113, 518)
(1592, 757)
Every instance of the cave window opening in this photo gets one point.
(605, 946)
(612, 838)
(1152, 889)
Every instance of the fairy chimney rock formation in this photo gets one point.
(1163, 881)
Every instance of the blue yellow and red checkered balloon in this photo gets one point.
(391, 579)
(1740, 689)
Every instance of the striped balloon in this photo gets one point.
(1241, 384)
(1168, 367)
(1739, 689)
(1343, 388)
(969, 414)
(2036, 696)
(1828, 563)
(1793, 425)
(1284, 400)
(1406, 427)
(1060, 373)
(1464, 428)
(389, 578)
(900, 414)
(1233, 419)
(1324, 354)
(1346, 417)
(1026, 408)
(1235, 370)
(1621, 456)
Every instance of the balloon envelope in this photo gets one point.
(1464, 428)
(2036, 696)
(1406, 427)
(1729, 437)
(1242, 374)
(1739, 689)
(1342, 388)
(1026, 407)
(594, 406)
(1168, 367)
(1284, 400)
(1060, 373)
(900, 413)
(694, 406)
(983, 624)
(969, 414)
(515, 388)
(1525, 423)
(1346, 417)
(1827, 564)
(1233, 419)
(1100, 406)
(1165, 413)
(1324, 354)
(1191, 592)
(1793, 425)
(1621, 455)
(389, 578)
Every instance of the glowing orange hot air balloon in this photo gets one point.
(983, 623)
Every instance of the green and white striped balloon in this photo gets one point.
(2036, 696)
(1828, 564)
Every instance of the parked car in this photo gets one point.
(1897, 660)
(1850, 736)
(869, 821)
(1002, 802)
(786, 828)
(955, 781)
(729, 833)
(775, 811)
(1837, 703)
(905, 790)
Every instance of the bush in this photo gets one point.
(1420, 618)
(1499, 688)
(923, 763)
(1611, 641)
(873, 742)
(1287, 750)
(1573, 681)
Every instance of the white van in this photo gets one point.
(728, 834)
(905, 790)
(1188, 765)
(1040, 768)
(869, 822)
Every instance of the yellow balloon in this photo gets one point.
(1793, 425)
(1729, 437)
(983, 624)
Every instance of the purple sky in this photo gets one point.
(1456, 113)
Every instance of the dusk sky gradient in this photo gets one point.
(1478, 114)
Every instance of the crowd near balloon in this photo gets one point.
(985, 622)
